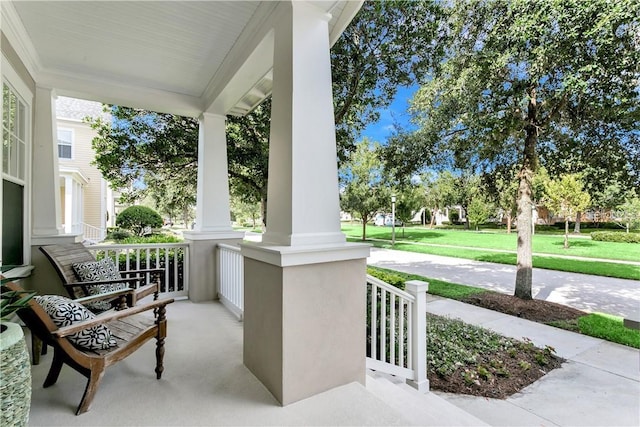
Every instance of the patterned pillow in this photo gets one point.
(65, 312)
(93, 271)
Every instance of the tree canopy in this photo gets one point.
(515, 75)
(385, 46)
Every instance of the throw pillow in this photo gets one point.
(64, 312)
(93, 271)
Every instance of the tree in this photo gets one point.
(409, 199)
(439, 192)
(364, 188)
(479, 210)
(382, 48)
(629, 211)
(388, 44)
(566, 197)
(515, 74)
(138, 219)
(504, 186)
(248, 157)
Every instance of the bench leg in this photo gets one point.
(56, 367)
(161, 323)
(90, 391)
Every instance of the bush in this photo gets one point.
(118, 235)
(156, 238)
(454, 217)
(612, 236)
(138, 219)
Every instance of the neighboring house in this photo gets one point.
(86, 199)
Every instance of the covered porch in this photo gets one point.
(206, 383)
(206, 60)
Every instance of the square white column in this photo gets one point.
(304, 312)
(213, 218)
(303, 196)
(45, 194)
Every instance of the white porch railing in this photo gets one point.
(397, 330)
(230, 267)
(93, 234)
(172, 258)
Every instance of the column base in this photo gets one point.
(304, 318)
(202, 261)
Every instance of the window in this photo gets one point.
(65, 142)
(15, 116)
(14, 133)
(14, 157)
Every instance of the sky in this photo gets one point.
(396, 113)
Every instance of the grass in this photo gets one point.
(610, 328)
(607, 327)
(542, 243)
(593, 267)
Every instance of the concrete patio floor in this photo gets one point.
(205, 383)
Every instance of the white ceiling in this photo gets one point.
(170, 56)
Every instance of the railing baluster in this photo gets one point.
(383, 326)
(401, 361)
(392, 330)
(374, 321)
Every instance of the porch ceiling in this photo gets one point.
(173, 56)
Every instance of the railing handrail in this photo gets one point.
(389, 288)
(234, 248)
(172, 258)
(138, 245)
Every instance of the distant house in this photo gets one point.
(86, 200)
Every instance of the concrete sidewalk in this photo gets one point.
(619, 297)
(598, 385)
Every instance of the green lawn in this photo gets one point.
(597, 268)
(542, 243)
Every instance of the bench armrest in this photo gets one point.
(109, 317)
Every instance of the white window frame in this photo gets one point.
(21, 89)
(70, 144)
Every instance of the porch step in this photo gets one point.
(417, 408)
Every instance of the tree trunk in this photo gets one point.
(263, 212)
(433, 218)
(364, 227)
(509, 224)
(524, 271)
(566, 233)
(576, 228)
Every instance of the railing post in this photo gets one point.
(418, 337)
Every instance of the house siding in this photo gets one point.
(81, 157)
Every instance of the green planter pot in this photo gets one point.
(15, 377)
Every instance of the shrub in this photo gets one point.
(138, 219)
(454, 217)
(612, 236)
(118, 235)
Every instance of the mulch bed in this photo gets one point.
(505, 372)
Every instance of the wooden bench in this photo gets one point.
(62, 258)
(129, 328)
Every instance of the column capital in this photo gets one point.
(207, 115)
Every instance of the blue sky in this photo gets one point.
(395, 113)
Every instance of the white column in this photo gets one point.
(303, 177)
(213, 219)
(69, 205)
(418, 337)
(45, 183)
(304, 257)
(212, 205)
